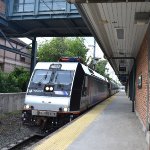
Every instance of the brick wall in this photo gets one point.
(142, 69)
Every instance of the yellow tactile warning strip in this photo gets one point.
(63, 138)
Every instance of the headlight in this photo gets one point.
(65, 109)
(47, 88)
(51, 88)
(28, 106)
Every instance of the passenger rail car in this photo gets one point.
(113, 88)
(58, 91)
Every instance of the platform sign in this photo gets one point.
(55, 66)
(122, 67)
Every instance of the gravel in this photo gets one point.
(12, 130)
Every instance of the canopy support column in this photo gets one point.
(33, 54)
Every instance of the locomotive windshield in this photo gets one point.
(61, 80)
(41, 76)
(63, 77)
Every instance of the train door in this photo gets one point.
(85, 94)
(109, 88)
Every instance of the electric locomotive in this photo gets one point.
(59, 91)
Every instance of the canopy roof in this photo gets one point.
(119, 28)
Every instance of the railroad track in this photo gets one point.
(28, 142)
(25, 143)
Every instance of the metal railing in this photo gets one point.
(37, 7)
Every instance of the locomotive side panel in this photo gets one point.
(98, 90)
(85, 97)
(94, 91)
(77, 89)
(114, 88)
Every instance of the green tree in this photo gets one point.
(50, 50)
(57, 47)
(75, 47)
(101, 67)
(8, 83)
(3, 82)
(15, 81)
(22, 77)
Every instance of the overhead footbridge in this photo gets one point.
(39, 18)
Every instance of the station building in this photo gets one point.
(120, 27)
(142, 104)
(10, 60)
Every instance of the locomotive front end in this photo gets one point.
(48, 95)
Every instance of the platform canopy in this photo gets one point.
(119, 27)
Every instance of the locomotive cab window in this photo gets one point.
(42, 76)
(59, 77)
(63, 77)
(60, 81)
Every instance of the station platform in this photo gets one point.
(111, 125)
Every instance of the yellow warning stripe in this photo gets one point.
(63, 138)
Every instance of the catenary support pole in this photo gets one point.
(94, 48)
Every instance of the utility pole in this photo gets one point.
(94, 50)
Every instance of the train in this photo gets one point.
(60, 91)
